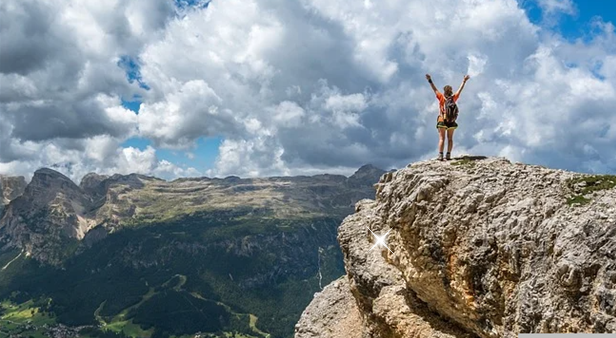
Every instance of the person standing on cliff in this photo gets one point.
(448, 113)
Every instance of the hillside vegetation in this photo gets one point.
(140, 257)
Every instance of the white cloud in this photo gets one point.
(558, 6)
(190, 110)
(288, 114)
(101, 154)
(353, 102)
(476, 64)
(260, 156)
(61, 88)
(297, 87)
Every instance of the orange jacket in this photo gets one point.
(441, 101)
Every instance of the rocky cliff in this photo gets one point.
(11, 187)
(48, 217)
(480, 247)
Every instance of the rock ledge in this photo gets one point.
(480, 247)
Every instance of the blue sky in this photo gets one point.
(578, 24)
(203, 155)
(571, 26)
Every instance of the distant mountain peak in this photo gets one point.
(48, 178)
(94, 176)
(50, 172)
(367, 168)
(94, 184)
(367, 175)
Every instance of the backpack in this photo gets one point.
(451, 109)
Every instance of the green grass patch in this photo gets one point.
(253, 326)
(128, 328)
(28, 312)
(581, 200)
(464, 162)
(121, 323)
(25, 319)
(467, 160)
(586, 185)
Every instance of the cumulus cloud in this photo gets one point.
(558, 6)
(476, 64)
(189, 110)
(350, 91)
(100, 154)
(288, 114)
(60, 83)
(300, 86)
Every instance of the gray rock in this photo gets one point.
(481, 248)
(11, 187)
(333, 313)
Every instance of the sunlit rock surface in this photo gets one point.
(482, 247)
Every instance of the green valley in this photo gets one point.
(224, 269)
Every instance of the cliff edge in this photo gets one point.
(480, 247)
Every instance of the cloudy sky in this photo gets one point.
(284, 87)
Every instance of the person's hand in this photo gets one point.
(428, 77)
(466, 78)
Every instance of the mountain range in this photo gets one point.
(134, 255)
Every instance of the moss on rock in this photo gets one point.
(586, 185)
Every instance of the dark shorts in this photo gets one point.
(446, 124)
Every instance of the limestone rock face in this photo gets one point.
(334, 313)
(482, 248)
(50, 213)
(11, 187)
(94, 184)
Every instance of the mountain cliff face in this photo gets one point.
(479, 248)
(51, 213)
(11, 187)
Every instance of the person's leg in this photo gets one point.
(449, 142)
(441, 142)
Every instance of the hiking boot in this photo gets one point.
(448, 157)
(440, 156)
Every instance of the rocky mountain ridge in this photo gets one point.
(51, 216)
(480, 247)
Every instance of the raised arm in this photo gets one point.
(431, 84)
(457, 94)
